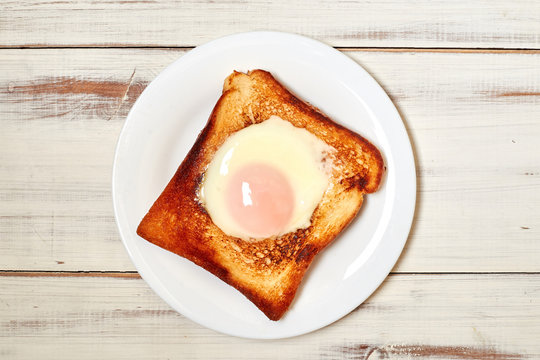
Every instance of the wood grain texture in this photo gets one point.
(464, 75)
(423, 23)
(410, 317)
(473, 119)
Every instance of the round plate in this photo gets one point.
(163, 125)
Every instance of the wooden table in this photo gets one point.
(465, 77)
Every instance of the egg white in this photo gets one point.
(296, 152)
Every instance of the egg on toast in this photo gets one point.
(268, 184)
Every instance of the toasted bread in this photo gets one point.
(268, 271)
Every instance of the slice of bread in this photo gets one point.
(269, 271)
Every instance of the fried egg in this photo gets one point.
(266, 180)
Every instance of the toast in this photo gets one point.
(268, 271)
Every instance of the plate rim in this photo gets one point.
(150, 277)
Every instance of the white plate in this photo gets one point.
(163, 125)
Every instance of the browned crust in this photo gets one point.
(269, 271)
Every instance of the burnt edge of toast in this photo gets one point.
(186, 181)
(320, 116)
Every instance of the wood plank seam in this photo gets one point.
(108, 274)
(340, 48)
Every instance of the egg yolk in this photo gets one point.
(260, 199)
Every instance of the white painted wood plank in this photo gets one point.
(473, 119)
(410, 317)
(61, 116)
(394, 23)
